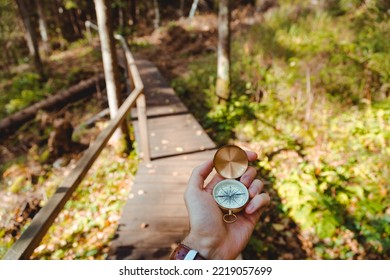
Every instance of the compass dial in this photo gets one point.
(231, 195)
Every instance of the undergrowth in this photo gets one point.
(20, 89)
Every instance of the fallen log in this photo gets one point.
(74, 93)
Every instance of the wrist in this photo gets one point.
(207, 247)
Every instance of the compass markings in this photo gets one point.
(230, 196)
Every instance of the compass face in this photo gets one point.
(231, 194)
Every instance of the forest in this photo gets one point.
(304, 83)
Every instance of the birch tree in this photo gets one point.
(156, 8)
(223, 72)
(193, 9)
(43, 30)
(110, 64)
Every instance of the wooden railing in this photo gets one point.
(32, 236)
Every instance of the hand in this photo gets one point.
(209, 234)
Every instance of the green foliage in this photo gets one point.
(26, 88)
(69, 4)
(328, 161)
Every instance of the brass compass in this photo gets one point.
(231, 195)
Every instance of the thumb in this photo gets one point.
(199, 175)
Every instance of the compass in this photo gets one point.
(231, 195)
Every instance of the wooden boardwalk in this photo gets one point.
(154, 217)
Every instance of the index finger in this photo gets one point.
(252, 156)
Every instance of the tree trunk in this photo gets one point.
(193, 9)
(31, 38)
(181, 8)
(156, 14)
(223, 72)
(54, 9)
(110, 64)
(133, 11)
(74, 19)
(43, 28)
(121, 19)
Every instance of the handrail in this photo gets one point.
(32, 236)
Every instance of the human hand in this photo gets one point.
(209, 234)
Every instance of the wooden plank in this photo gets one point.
(182, 181)
(164, 224)
(202, 156)
(147, 240)
(130, 211)
(177, 142)
(161, 110)
(173, 169)
(157, 198)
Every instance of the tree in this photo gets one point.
(110, 64)
(133, 11)
(31, 37)
(223, 72)
(43, 27)
(156, 14)
(193, 9)
(181, 11)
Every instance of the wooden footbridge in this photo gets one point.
(171, 143)
(154, 217)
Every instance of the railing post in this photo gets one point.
(143, 127)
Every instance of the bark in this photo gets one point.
(74, 93)
(7, 60)
(54, 8)
(223, 72)
(65, 21)
(156, 14)
(193, 9)
(110, 64)
(75, 22)
(181, 8)
(121, 18)
(133, 11)
(31, 37)
(43, 28)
